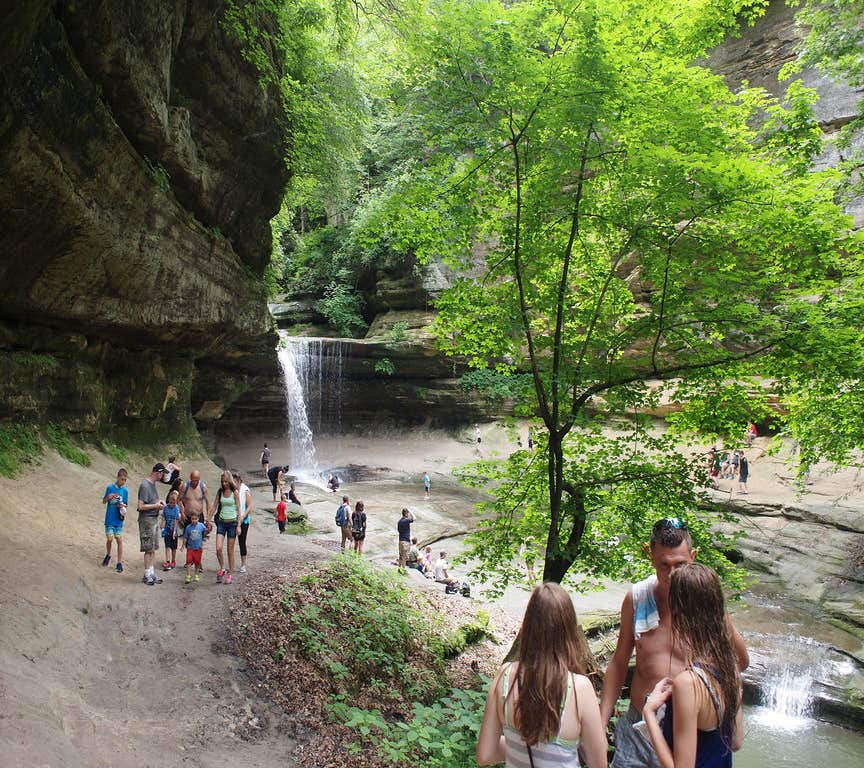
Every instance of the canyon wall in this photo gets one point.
(140, 162)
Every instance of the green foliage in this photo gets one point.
(624, 482)
(19, 447)
(496, 386)
(116, 452)
(159, 174)
(360, 627)
(641, 224)
(442, 734)
(60, 440)
(342, 306)
(468, 634)
(385, 367)
(398, 331)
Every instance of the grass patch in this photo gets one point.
(60, 440)
(19, 447)
(114, 451)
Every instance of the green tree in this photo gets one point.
(639, 234)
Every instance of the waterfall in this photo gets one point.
(312, 374)
(787, 687)
(787, 691)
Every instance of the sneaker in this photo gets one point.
(227, 579)
(188, 578)
(197, 577)
(219, 574)
(149, 580)
(157, 580)
(243, 569)
(166, 566)
(119, 568)
(106, 560)
(173, 565)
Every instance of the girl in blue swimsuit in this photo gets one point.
(541, 710)
(703, 722)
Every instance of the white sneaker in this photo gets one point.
(242, 569)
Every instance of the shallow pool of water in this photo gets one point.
(773, 740)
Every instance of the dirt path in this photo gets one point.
(97, 669)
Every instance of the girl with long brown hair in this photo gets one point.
(541, 710)
(703, 723)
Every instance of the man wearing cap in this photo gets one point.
(149, 508)
(646, 627)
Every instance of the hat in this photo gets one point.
(158, 467)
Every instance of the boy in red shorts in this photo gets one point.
(193, 543)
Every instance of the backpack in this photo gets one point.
(450, 588)
(341, 516)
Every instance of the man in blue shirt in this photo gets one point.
(116, 497)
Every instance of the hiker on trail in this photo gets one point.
(172, 471)
(403, 525)
(703, 722)
(265, 459)
(646, 626)
(427, 484)
(193, 543)
(750, 434)
(245, 517)
(116, 499)
(226, 517)
(343, 521)
(358, 526)
(194, 498)
(149, 508)
(560, 717)
(170, 529)
(743, 472)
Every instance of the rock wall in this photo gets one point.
(140, 163)
(758, 55)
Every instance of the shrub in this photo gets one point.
(359, 626)
(19, 446)
(59, 439)
(385, 367)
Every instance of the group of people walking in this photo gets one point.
(541, 710)
(186, 517)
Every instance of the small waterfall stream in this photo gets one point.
(312, 376)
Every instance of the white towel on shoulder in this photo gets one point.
(645, 613)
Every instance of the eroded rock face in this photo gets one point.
(140, 163)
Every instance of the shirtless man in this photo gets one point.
(195, 498)
(646, 626)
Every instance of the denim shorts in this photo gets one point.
(114, 530)
(224, 528)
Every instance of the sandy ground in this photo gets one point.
(97, 669)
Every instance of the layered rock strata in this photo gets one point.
(141, 160)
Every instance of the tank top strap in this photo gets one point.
(702, 675)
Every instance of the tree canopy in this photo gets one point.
(637, 229)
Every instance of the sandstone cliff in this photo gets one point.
(141, 161)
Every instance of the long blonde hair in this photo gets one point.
(699, 626)
(551, 647)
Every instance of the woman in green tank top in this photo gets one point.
(227, 505)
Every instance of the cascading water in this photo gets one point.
(312, 374)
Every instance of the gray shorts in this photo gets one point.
(148, 530)
(631, 749)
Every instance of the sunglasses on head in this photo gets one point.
(670, 522)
